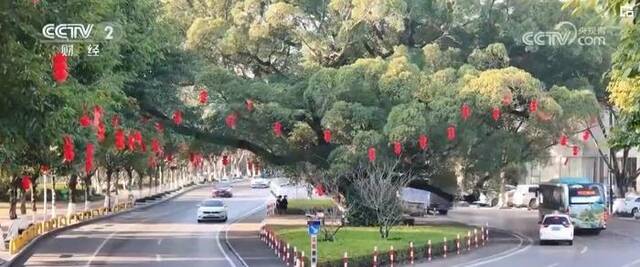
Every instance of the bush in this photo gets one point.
(302, 206)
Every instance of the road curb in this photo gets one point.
(29, 247)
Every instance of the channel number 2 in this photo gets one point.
(109, 32)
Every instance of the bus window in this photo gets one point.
(552, 197)
(585, 194)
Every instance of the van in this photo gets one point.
(525, 195)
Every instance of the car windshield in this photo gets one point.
(555, 220)
(212, 203)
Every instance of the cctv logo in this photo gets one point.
(67, 31)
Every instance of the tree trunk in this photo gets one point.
(23, 202)
(503, 198)
(73, 182)
(108, 193)
(13, 198)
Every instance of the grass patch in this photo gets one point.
(359, 241)
(308, 204)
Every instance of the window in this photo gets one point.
(555, 220)
(213, 203)
(638, 199)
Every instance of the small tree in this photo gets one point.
(378, 186)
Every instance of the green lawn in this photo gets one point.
(307, 204)
(359, 241)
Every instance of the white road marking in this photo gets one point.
(93, 256)
(159, 241)
(226, 231)
(633, 263)
(502, 255)
(158, 258)
(584, 250)
(553, 265)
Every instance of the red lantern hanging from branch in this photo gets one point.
(137, 135)
(319, 190)
(451, 133)
(231, 120)
(495, 113)
(101, 132)
(119, 139)
(225, 160)
(277, 128)
(97, 115)
(465, 111)
(397, 148)
(203, 96)
(371, 153)
(177, 117)
(115, 121)
(564, 140)
(575, 150)
(327, 136)
(131, 142)
(67, 149)
(155, 146)
(423, 142)
(533, 105)
(85, 121)
(25, 182)
(585, 135)
(60, 67)
(159, 127)
(249, 105)
(88, 158)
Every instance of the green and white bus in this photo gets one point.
(581, 199)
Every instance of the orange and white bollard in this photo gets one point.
(475, 237)
(392, 258)
(302, 259)
(411, 253)
(429, 250)
(458, 244)
(345, 260)
(444, 253)
(375, 256)
(295, 256)
(482, 234)
(486, 235)
(468, 240)
(287, 255)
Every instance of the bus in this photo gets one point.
(581, 199)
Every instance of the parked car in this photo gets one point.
(260, 183)
(525, 195)
(556, 228)
(222, 189)
(212, 209)
(631, 206)
(490, 198)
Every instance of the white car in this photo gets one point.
(557, 228)
(525, 196)
(260, 183)
(212, 210)
(632, 206)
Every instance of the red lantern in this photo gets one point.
(230, 120)
(100, 134)
(155, 146)
(85, 121)
(585, 135)
(44, 168)
(397, 148)
(67, 149)
(564, 140)
(249, 104)
(97, 115)
(495, 113)
(451, 133)
(115, 121)
(507, 99)
(159, 127)
(319, 189)
(143, 147)
(423, 141)
(119, 139)
(225, 160)
(138, 137)
(203, 96)
(533, 105)
(131, 142)
(177, 117)
(60, 72)
(88, 158)
(465, 111)
(575, 150)
(327, 136)
(277, 128)
(372, 154)
(26, 182)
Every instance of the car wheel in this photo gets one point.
(542, 243)
(199, 221)
(570, 242)
(494, 202)
(225, 219)
(533, 204)
(635, 212)
(443, 212)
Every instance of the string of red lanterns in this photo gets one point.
(177, 117)
(423, 141)
(465, 111)
(60, 67)
(231, 120)
(327, 136)
(397, 148)
(203, 96)
(277, 128)
(68, 152)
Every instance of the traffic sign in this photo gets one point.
(314, 227)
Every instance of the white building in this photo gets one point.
(589, 163)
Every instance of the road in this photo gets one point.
(617, 246)
(166, 234)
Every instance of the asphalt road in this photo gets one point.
(617, 246)
(163, 235)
